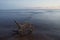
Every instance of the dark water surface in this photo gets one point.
(46, 22)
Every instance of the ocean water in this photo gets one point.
(46, 21)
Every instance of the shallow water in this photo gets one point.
(46, 22)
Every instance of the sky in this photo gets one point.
(22, 4)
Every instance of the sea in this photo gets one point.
(45, 21)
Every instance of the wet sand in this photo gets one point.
(35, 35)
(32, 36)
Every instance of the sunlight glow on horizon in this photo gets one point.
(18, 4)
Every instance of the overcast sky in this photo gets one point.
(18, 4)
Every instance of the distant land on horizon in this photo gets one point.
(29, 9)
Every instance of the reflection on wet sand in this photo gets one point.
(33, 36)
(30, 37)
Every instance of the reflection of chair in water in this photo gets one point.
(24, 28)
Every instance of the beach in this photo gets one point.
(46, 23)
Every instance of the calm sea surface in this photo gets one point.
(46, 21)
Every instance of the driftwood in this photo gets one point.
(25, 28)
